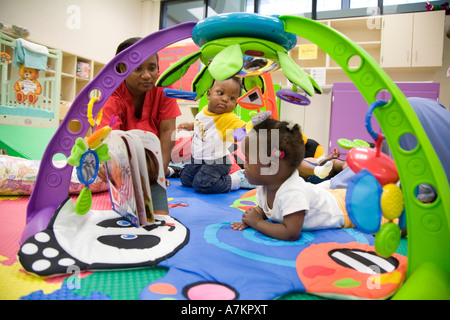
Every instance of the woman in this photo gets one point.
(139, 104)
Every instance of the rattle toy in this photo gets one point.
(86, 155)
(379, 164)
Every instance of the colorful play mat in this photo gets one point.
(215, 263)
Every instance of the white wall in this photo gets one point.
(150, 17)
(89, 28)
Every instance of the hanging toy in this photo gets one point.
(293, 96)
(240, 133)
(379, 164)
(373, 194)
(252, 100)
(348, 144)
(180, 94)
(86, 155)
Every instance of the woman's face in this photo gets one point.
(144, 77)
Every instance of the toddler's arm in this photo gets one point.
(189, 126)
(289, 230)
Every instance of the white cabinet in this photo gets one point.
(396, 41)
(428, 39)
(413, 40)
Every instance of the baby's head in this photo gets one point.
(223, 95)
(277, 142)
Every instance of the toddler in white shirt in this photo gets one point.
(273, 152)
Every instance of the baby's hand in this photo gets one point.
(189, 126)
(336, 153)
(239, 225)
(249, 219)
(252, 216)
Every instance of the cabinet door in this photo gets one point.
(428, 39)
(396, 41)
(348, 111)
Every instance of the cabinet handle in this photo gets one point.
(408, 55)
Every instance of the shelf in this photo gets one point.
(356, 22)
(67, 75)
(370, 44)
(71, 83)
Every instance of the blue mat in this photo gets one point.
(221, 263)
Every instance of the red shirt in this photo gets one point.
(156, 107)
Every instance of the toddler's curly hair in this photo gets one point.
(290, 136)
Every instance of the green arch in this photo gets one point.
(428, 224)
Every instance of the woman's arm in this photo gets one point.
(166, 129)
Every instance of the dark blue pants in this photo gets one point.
(207, 177)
